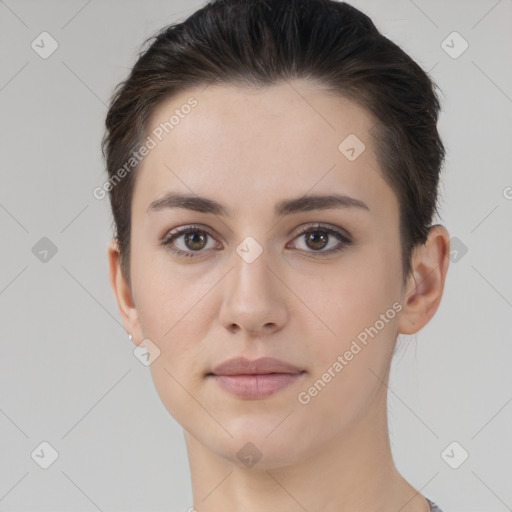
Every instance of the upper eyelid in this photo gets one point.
(320, 226)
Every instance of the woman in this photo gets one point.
(273, 171)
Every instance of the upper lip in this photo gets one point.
(244, 366)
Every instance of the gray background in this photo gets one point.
(68, 375)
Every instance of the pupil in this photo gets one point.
(314, 238)
(193, 238)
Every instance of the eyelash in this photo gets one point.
(173, 235)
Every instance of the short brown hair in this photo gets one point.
(262, 42)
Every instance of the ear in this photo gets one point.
(123, 293)
(425, 285)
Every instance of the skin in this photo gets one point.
(249, 149)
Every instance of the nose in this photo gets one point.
(254, 298)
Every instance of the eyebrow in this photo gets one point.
(283, 208)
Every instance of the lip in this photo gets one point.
(255, 379)
(261, 366)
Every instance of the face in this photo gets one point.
(264, 273)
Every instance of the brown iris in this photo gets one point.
(317, 239)
(195, 240)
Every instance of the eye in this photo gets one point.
(187, 241)
(190, 241)
(316, 238)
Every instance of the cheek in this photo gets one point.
(169, 296)
(349, 366)
(357, 304)
(353, 298)
(174, 313)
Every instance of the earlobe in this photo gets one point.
(425, 285)
(122, 291)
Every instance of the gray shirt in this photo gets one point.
(433, 506)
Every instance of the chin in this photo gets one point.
(264, 445)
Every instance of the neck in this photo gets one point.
(354, 471)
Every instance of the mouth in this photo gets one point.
(261, 366)
(257, 378)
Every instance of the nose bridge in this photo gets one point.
(251, 279)
(252, 299)
(252, 268)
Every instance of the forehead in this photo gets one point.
(249, 145)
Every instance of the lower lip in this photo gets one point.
(256, 386)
